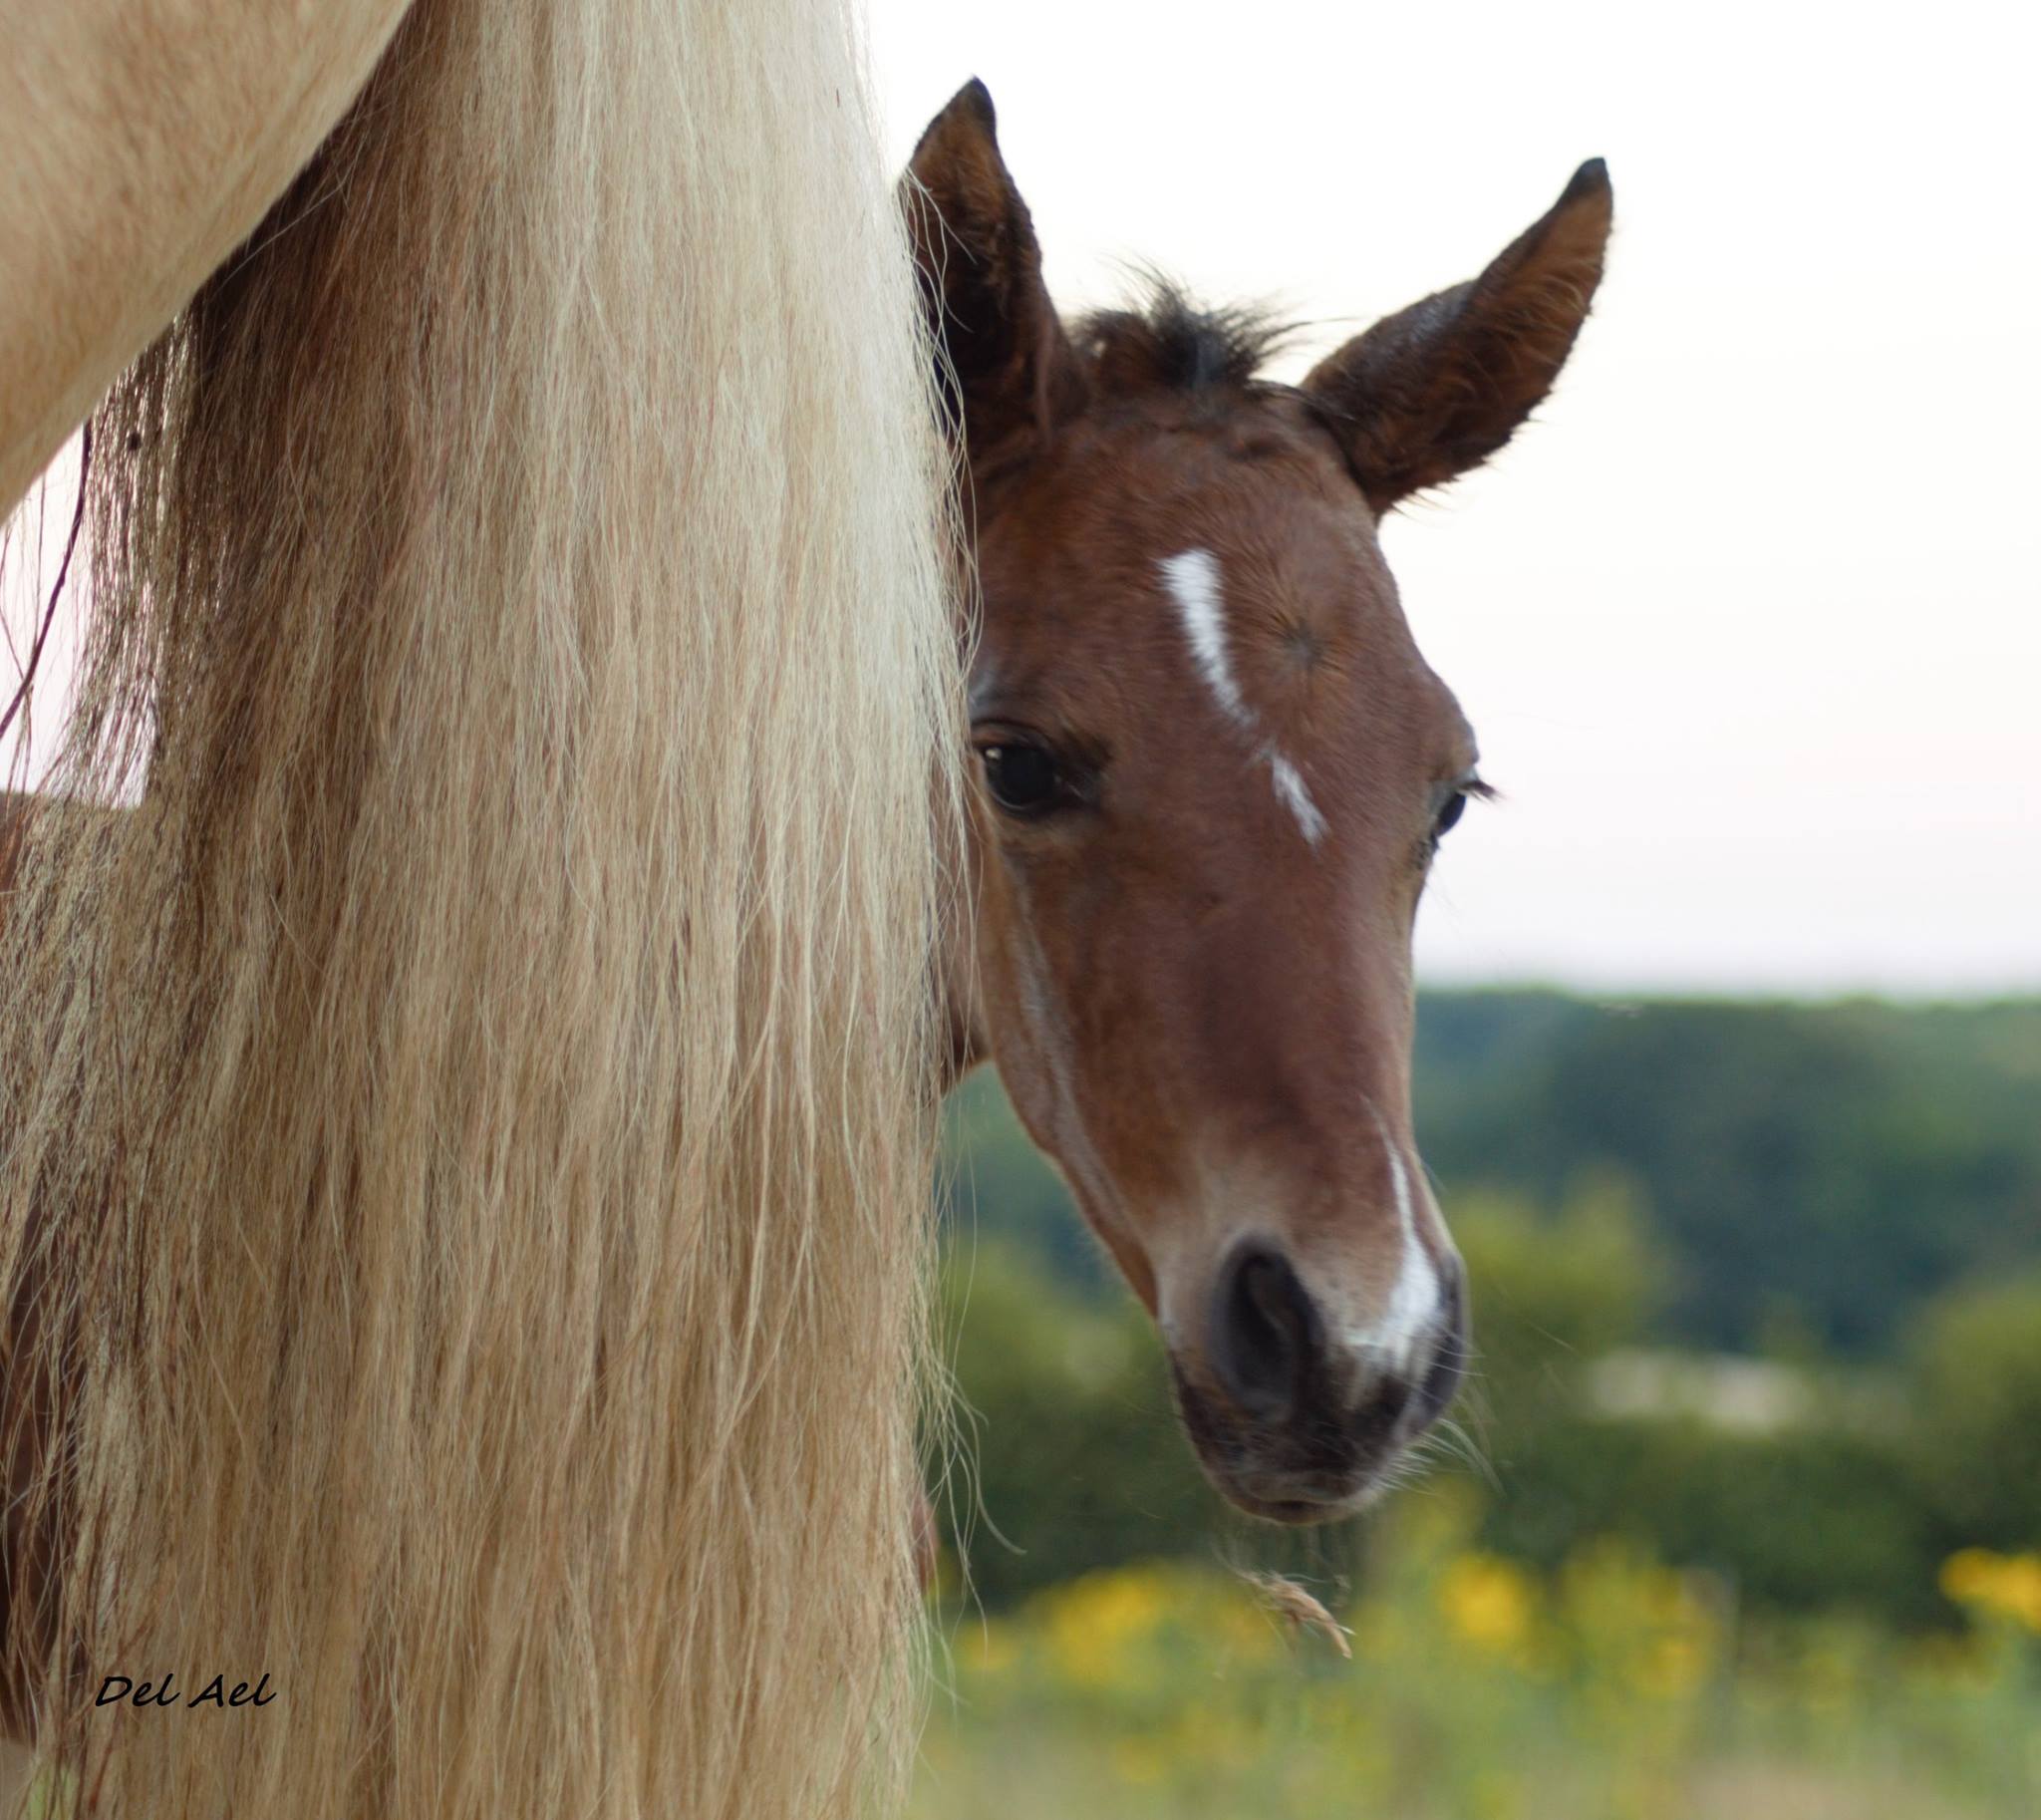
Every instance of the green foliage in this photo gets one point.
(995, 1185)
(1822, 1514)
(1803, 1520)
(1072, 1455)
(1547, 1296)
(1843, 1162)
(1975, 1390)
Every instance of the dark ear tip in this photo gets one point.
(968, 112)
(977, 100)
(1590, 180)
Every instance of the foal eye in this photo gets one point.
(1455, 806)
(1023, 779)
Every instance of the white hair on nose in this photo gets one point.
(1192, 579)
(1414, 1295)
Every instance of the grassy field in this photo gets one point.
(1612, 1689)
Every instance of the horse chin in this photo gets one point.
(1249, 1472)
(1292, 1513)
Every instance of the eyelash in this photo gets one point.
(1471, 790)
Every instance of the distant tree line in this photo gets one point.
(1828, 1167)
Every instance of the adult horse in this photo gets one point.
(1215, 771)
(465, 1135)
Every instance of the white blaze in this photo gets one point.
(1290, 788)
(1193, 582)
(1192, 578)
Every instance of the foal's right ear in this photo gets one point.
(1010, 365)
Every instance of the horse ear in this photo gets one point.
(1438, 387)
(1009, 364)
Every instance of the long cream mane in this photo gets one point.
(463, 1138)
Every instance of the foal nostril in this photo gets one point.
(1266, 1332)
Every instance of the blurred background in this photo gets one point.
(1730, 1050)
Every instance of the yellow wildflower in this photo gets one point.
(1094, 1624)
(988, 1647)
(2001, 1586)
(1488, 1603)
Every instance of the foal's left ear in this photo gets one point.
(1438, 387)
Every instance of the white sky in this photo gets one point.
(1749, 622)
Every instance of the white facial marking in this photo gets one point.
(1290, 786)
(1417, 1291)
(1192, 578)
(1415, 1296)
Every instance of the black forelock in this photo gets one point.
(1167, 339)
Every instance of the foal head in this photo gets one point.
(1213, 771)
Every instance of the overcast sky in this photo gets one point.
(1749, 621)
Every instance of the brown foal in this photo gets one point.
(1214, 771)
